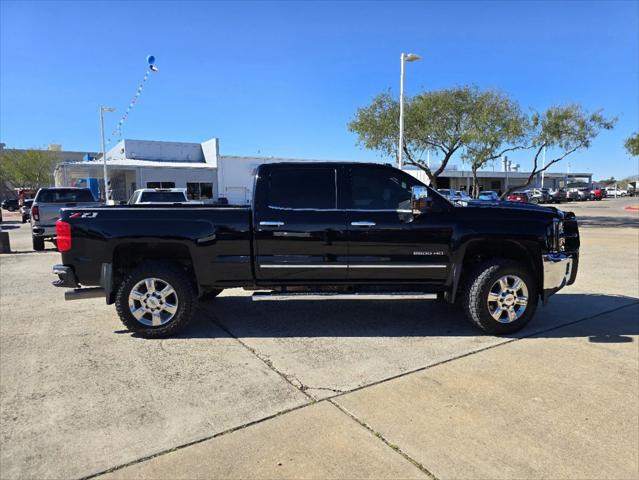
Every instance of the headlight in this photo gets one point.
(556, 239)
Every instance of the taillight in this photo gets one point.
(63, 235)
(35, 213)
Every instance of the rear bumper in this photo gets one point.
(43, 230)
(560, 269)
(66, 277)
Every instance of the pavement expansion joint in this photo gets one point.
(381, 437)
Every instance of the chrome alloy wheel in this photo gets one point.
(153, 302)
(508, 299)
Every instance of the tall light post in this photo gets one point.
(106, 179)
(405, 57)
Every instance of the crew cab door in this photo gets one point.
(386, 242)
(299, 234)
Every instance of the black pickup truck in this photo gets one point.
(344, 229)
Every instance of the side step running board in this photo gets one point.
(83, 293)
(262, 296)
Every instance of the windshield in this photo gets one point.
(163, 197)
(64, 195)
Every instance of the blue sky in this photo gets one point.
(284, 79)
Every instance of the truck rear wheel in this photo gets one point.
(501, 296)
(156, 300)
(38, 243)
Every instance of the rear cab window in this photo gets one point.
(163, 197)
(302, 188)
(63, 195)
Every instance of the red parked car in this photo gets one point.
(518, 197)
(597, 194)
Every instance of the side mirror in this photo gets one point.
(420, 201)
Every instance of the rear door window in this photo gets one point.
(302, 188)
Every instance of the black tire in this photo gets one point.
(478, 286)
(11, 209)
(38, 243)
(184, 291)
(210, 295)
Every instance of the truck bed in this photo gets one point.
(216, 238)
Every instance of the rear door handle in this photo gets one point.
(363, 224)
(271, 224)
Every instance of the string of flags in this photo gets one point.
(117, 131)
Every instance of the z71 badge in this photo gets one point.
(84, 215)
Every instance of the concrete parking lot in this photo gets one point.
(326, 389)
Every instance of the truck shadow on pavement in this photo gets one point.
(566, 316)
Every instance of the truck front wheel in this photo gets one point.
(156, 300)
(501, 296)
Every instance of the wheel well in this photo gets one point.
(128, 256)
(528, 253)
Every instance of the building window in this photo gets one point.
(199, 191)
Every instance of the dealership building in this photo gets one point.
(208, 176)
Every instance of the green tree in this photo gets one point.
(499, 126)
(563, 130)
(632, 144)
(27, 168)
(439, 121)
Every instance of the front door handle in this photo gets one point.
(271, 224)
(363, 224)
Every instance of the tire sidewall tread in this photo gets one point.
(476, 293)
(184, 289)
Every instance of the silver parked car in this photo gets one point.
(45, 210)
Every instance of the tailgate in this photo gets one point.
(50, 212)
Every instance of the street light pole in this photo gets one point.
(543, 163)
(104, 162)
(405, 57)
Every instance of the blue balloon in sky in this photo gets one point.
(150, 59)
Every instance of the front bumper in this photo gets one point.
(66, 277)
(560, 269)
